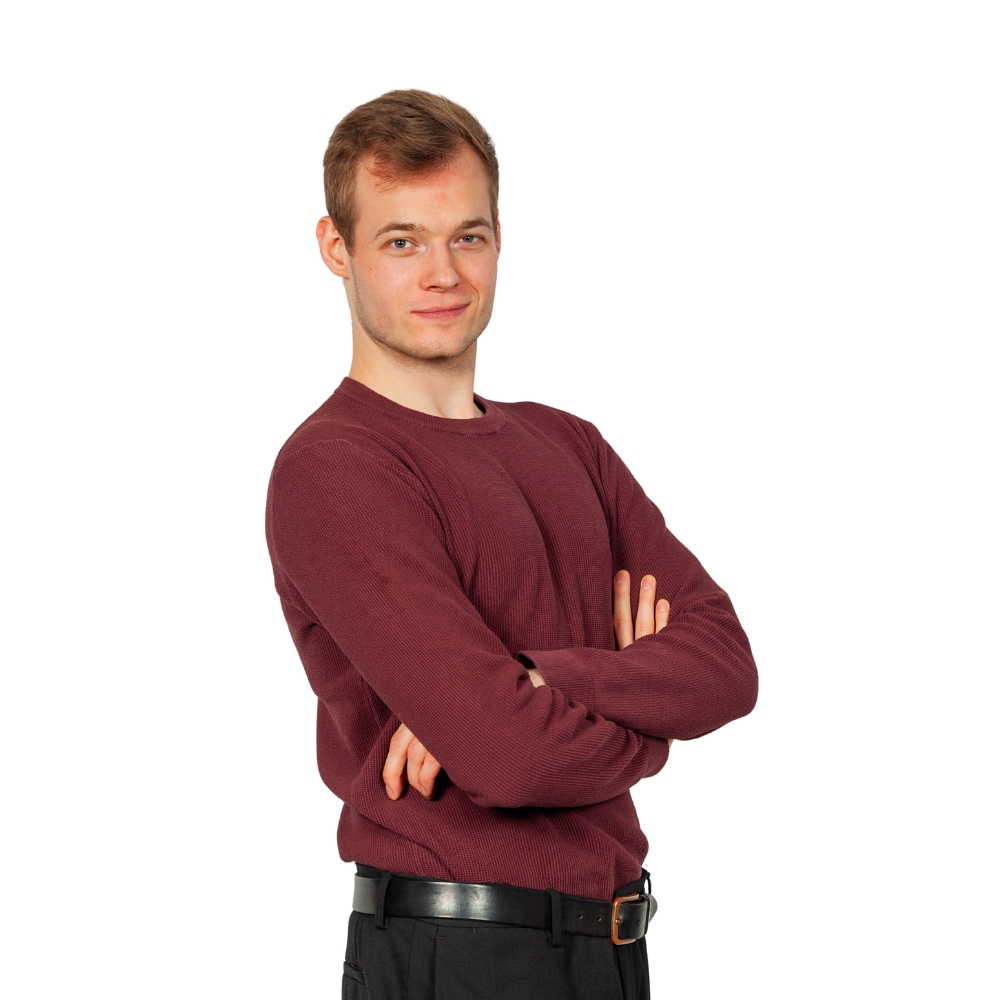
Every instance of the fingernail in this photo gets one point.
(620, 576)
(647, 582)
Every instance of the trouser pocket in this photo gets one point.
(388, 964)
(353, 987)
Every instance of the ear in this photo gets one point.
(332, 247)
(498, 233)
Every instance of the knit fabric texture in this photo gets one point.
(423, 564)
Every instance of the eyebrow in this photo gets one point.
(401, 227)
(412, 227)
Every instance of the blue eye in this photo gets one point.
(400, 244)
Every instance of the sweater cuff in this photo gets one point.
(559, 670)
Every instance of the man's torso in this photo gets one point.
(515, 498)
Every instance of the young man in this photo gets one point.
(472, 588)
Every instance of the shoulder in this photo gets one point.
(330, 422)
(338, 449)
(556, 424)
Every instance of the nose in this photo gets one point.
(440, 273)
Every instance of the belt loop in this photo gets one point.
(383, 885)
(648, 879)
(556, 918)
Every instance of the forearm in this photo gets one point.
(535, 747)
(694, 676)
(407, 762)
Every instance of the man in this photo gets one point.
(456, 575)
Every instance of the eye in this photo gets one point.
(469, 238)
(399, 244)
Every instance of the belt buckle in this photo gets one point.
(616, 915)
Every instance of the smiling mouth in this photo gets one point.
(441, 314)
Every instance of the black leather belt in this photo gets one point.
(624, 919)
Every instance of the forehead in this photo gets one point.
(455, 191)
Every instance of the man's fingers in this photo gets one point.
(621, 609)
(644, 620)
(408, 761)
(537, 680)
(662, 614)
(428, 774)
(395, 762)
(414, 762)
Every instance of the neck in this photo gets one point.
(441, 387)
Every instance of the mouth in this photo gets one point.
(453, 312)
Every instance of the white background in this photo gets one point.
(757, 244)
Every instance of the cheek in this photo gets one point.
(383, 286)
(481, 273)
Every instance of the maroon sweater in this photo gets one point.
(421, 563)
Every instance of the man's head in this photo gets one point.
(411, 187)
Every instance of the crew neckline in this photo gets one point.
(492, 420)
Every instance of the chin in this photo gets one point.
(428, 346)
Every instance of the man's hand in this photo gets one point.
(652, 614)
(408, 755)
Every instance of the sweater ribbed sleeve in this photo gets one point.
(683, 682)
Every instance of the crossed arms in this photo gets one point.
(410, 761)
(400, 614)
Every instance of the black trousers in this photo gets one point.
(471, 960)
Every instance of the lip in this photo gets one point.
(452, 312)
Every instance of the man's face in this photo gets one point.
(423, 272)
